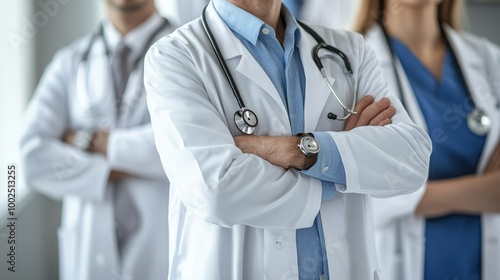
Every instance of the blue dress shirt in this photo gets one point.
(453, 242)
(284, 67)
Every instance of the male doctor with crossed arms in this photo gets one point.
(256, 206)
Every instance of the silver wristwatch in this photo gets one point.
(83, 139)
(309, 147)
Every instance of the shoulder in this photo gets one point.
(478, 45)
(72, 53)
(77, 47)
(66, 59)
(184, 41)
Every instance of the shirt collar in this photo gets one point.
(249, 26)
(135, 39)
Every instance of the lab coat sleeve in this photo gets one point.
(50, 166)
(382, 161)
(212, 177)
(132, 150)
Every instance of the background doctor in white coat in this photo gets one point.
(237, 202)
(88, 141)
(461, 200)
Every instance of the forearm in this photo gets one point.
(279, 150)
(58, 170)
(467, 194)
(133, 151)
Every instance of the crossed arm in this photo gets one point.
(472, 194)
(99, 145)
(283, 151)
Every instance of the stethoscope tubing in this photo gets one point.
(477, 121)
(242, 123)
(223, 64)
(85, 64)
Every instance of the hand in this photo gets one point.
(369, 113)
(98, 144)
(278, 150)
(118, 175)
(69, 137)
(494, 163)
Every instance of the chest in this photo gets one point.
(92, 101)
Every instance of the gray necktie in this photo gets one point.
(121, 71)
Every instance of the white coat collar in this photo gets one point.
(231, 47)
(379, 44)
(475, 76)
(136, 39)
(316, 90)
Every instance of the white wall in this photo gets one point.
(30, 32)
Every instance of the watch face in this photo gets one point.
(310, 145)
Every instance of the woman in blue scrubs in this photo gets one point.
(451, 228)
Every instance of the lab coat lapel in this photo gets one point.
(317, 92)
(232, 48)
(379, 45)
(481, 91)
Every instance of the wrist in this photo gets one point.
(309, 147)
(99, 143)
(83, 139)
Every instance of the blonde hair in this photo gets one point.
(371, 12)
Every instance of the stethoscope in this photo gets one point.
(245, 119)
(92, 108)
(478, 121)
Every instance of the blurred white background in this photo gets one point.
(29, 36)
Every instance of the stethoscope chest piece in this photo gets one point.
(246, 121)
(478, 122)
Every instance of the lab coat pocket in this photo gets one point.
(376, 275)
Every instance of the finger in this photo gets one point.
(373, 110)
(385, 122)
(386, 114)
(353, 119)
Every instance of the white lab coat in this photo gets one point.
(400, 235)
(87, 238)
(235, 215)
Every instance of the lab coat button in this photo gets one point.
(278, 244)
(265, 31)
(326, 168)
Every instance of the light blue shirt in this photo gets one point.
(284, 67)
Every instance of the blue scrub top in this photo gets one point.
(453, 242)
